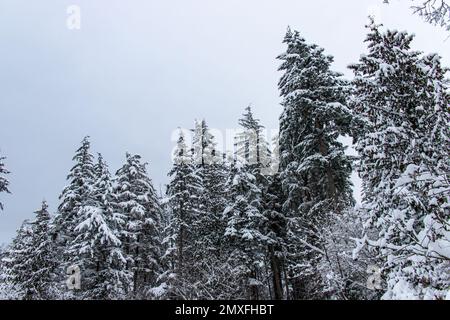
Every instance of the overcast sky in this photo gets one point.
(137, 70)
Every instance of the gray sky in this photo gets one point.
(136, 70)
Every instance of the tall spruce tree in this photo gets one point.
(74, 198)
(3, 181)
(36, 268)
(184, 193)
(140, 233)
(96, 248)
(42, 258)
(315, 172)
(7, 290)
(210, 226)
(403, 141)
(212, 171)
(244, 231)
(256, 173)
(17, 262)
(251, 145)
(76, 194)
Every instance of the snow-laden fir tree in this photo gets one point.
(74, 197)
(76, 194)
(35, 263)
(183, 195)
(251, 145)
(276, 220)
(42, 258)
(96, 247)
(7, 290)
(243, 233)
(140, 234)
(3, 181)
(209, 228)
(315, 172)
(253, 150)
(213, 173)
(17, 262)
(403, 142)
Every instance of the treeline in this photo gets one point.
(260, 226)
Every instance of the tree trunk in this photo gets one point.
(276, 274)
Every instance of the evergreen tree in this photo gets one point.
(42, 258)
(209, 228)
(403, 141)
(3, 181)
(74, 198)
(212, 171)
(17, 262)
(315, 172)
(76, 194)
(31, 262)
(253, 149)
(183, 193)
(140, 233)
(7, 289)
(96, 248)
(251, 145)
(244, 231)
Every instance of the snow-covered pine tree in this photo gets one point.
(96, 248)
(38, 259)
(140, 233)
(403, 142)
(203, 145)
(425, 185)
(252, 147)
(42, 258)
(7, 290)
(75, 194)
(209, 228)
(315, 172)
(3, 181)
(73, 198)
(245, 221)
(17, 262)
(212, 171)
(184, 192)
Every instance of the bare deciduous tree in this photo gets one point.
(436, 12)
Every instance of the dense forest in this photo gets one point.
(262, 222)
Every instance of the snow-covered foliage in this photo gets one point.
(251, 146)
(96, 248)
(30, 261)
(225, 229)
(76, 194)
(401, 99)
(343, 277)
(140, 232)
(183, 195)
(244, 230)
(314, 169)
